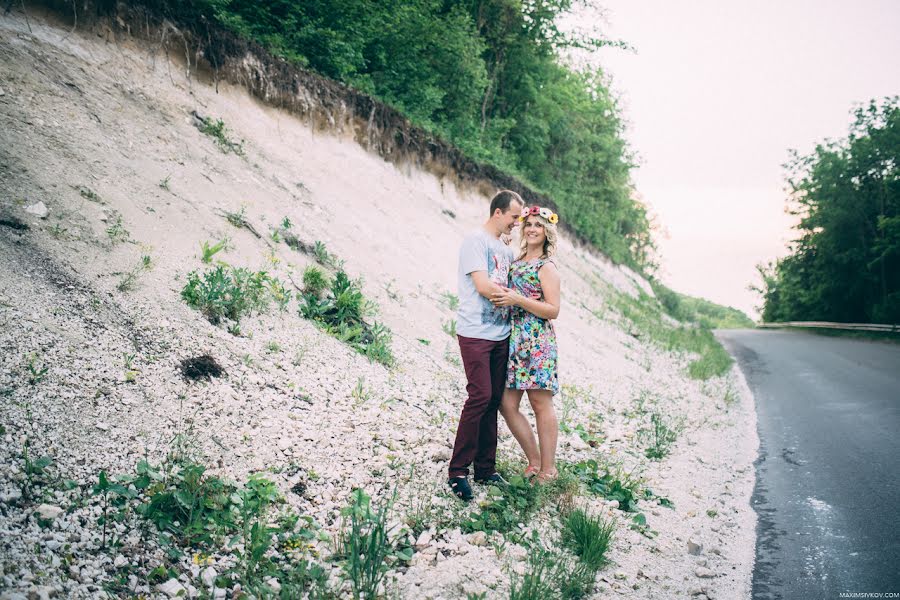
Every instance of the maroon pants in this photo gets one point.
(476, 437)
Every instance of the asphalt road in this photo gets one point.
(828, 474)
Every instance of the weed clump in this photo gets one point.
(366, 545)
(117, 232)
(342, 314)
(89, 194)
(201, 367)
(129, 279)
(208, 251)
(315, 281)
(506, 507)
(216, 129)
(661, 435)
(552, 574)
(227, 292)
(588, 537)
(451, 300)
(613, 485)
(326, 258)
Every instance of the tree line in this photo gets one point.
(486, 75)
(845, 266)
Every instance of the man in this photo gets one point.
(483, 333)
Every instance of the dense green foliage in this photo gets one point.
(697, 310)
(845, 266)
(486, 75)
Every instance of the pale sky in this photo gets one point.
(715, 95)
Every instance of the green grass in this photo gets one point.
(551, 574)
(365, 544)
(588, 537)
(698, 310)
(647, 322)
(878, 336)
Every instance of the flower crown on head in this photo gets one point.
(540, 211)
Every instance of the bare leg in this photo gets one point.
(547, 428)
(519, 426)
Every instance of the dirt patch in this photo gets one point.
(13, 223)
(203, 367)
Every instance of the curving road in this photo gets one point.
(828, 473)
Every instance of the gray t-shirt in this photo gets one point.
(477, 317)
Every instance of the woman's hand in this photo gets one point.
(506, 297)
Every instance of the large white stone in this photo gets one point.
(48, 511)
(171, 588)
(39, 209)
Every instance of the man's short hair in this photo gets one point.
(503, 199)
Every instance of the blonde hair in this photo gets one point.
(552, 236)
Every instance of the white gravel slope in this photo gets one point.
(79, 113)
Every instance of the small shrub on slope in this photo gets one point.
(342, 314)
(227, 292)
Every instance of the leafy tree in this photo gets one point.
(845, 266)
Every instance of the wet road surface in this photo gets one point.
(828, 474)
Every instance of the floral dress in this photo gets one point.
(532, 341)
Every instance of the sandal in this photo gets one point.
(531, 471)
(547, 477)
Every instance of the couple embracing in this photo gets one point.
(507, 299)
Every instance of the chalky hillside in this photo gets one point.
(228, 364)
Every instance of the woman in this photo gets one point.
(533, 294)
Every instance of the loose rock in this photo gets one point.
(38, 209)
(694, 548)
(479, 538)
(704, 573)
(49, 512)
(172, 588)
